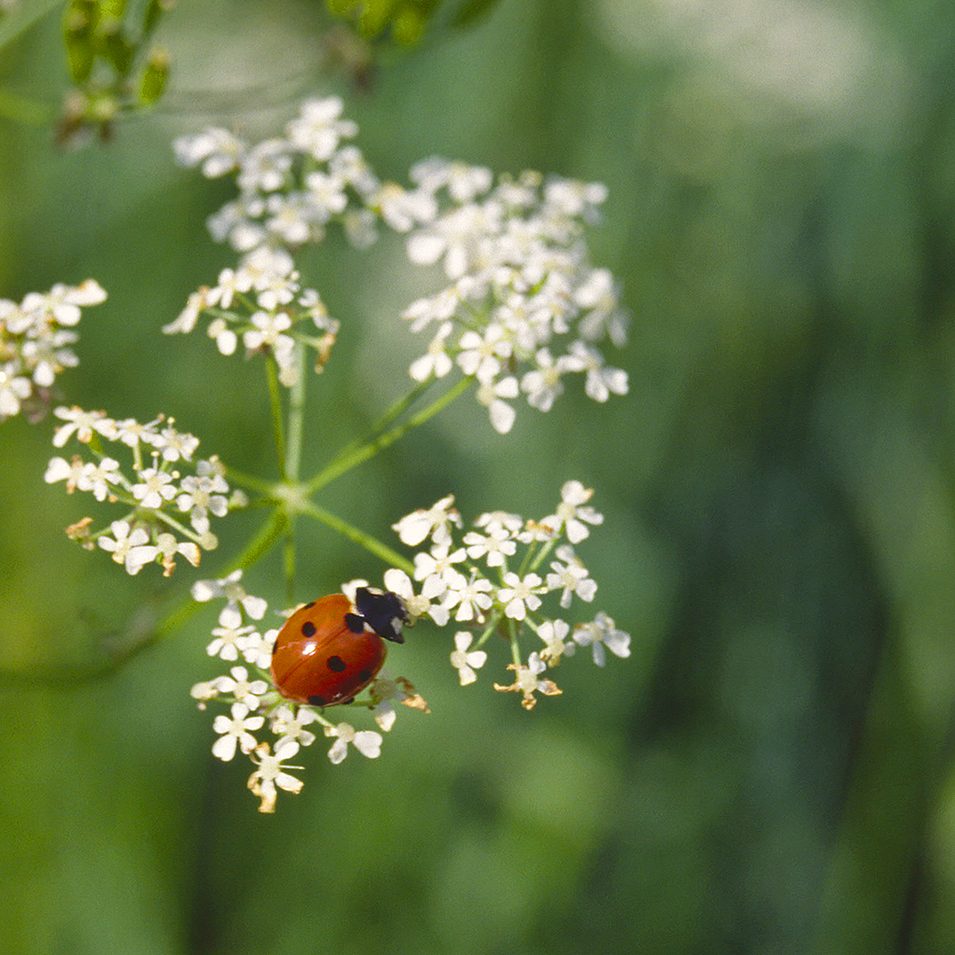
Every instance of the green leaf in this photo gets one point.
(152, 84)
(79, 27)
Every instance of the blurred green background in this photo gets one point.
(771, 771)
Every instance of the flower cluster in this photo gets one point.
(496, 579)
(290, 187)
(162, 486)
(262, 304)
(255, 704)
(523, 307)
(35, 340)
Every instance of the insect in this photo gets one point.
(330, 649)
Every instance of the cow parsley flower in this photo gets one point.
(474, 585)
(367, 742)
(36, 336)
(524, 308)
(140, 478)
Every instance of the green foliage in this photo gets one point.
(113, 66)
(772, 770)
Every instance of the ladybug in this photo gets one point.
(330, 650)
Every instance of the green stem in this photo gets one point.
(275, 403)
(515, 647)
(296, 414)
(371, 544)
(248, 481)
(288, 560)
(346, 462)
(393, 413)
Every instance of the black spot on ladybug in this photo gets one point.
(354, 623)
(308, 629)
(336, 664)
(309, 604)
(364, 676)
(317, 700)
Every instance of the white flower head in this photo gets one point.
(519, 594)
(367, 742)
(270, 774)
(290, 724)
(602, 632)
(228, 635)
(528, 681)
(235, 731)
(466, 661)
(231, 588)
(436, 521)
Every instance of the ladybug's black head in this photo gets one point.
(383, 612)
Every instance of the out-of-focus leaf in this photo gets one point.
(153, 82)
(79, 35)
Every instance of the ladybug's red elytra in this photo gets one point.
(330, 650)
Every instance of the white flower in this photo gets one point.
(83, 424)
(290, 725)
(543, 385)
(600, 633)
(495, 546)
(59, 469)
(556, 645)
(217, 150)
(226, 340)
(173, 444)
(235, 731)
(326, 194)
(270, 774)
(244, 690)
(518, 595)
(230, 588)
(317, 130)
(471, 597)
(466, 662)
(122, 542)
(367, 742)
(483, 355)
(189, 316)
(228, 635)
(201, 496)
(491, 395)
(403, 209)
(267, 331)
(228, 284)
(417, 605)
(97, 478)
(436, 570)
(573, 513)
(436, 360)
(527, 681)
(413, 528)
(265, 166)
(257, 647)
(571, 576)
(14, 389)
(602, 380)
(131, 433)
(155, 487)
(166, 548)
